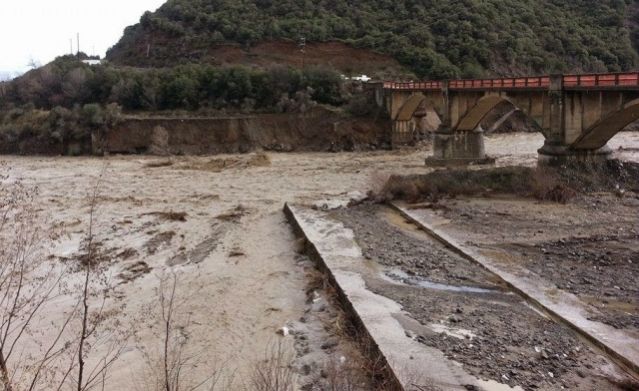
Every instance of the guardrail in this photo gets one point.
(410, 86)
(604, 80)
(520, 82)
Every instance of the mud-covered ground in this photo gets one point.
(589, 246)
(603, 270)
(491, 331)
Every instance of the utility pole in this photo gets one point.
(71, 46)
(302, 46)
(78, 46)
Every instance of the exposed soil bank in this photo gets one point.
(164, 51)
(466, 315)
(320, 130)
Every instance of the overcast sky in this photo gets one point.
(41, 29)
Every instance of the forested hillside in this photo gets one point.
(432, 38)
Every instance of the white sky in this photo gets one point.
(41, 29)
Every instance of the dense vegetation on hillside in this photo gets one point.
(67, 82)
(434, 38)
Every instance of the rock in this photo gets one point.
(544, 354)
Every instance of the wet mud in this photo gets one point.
(603, 270)
(588, 247)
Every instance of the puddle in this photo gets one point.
(399, 276)
(452, 332)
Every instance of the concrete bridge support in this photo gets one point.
(458, 148)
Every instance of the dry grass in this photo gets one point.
(275, 372)
(560, 184)
(366, 369)
(543, 184)
(547, 185)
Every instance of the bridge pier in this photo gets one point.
(458, 148)
(558, 154)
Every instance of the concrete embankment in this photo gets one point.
(408, 362)
(562, 306)
(440, 316)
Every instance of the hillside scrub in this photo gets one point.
(67, 82)
(433, 38)
(59, 130)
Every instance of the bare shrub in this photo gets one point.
(366, 369)
(37, 352)
(401, 188)
(274, 373)
(171, 364)
(547, 185)
(28, 282)
(99, 332)
(341, 377)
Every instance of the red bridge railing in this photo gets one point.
(602, 80)
(607, 80)
(424, 85)
(521, 82)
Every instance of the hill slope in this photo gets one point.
(433, 38)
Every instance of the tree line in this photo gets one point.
(67, 82)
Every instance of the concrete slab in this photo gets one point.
(411, 364)
(562, 306)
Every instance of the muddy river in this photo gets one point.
(241, 275)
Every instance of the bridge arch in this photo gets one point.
(599, 134)
(474, 117)
(410, 106)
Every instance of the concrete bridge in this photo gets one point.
(577, 114)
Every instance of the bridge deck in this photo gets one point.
(607, 81)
